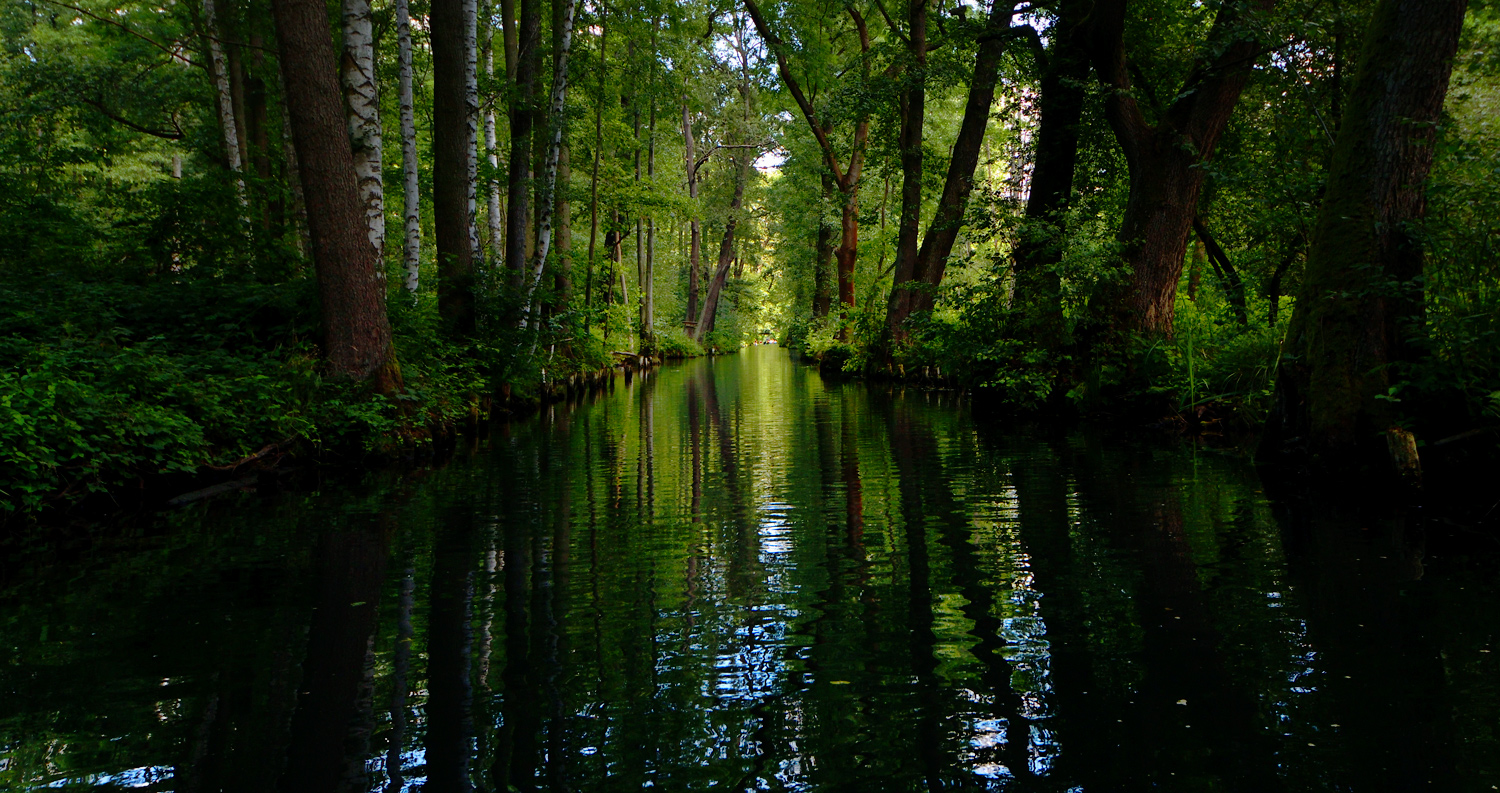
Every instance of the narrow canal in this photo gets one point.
(735, 575)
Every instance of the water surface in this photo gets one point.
(735, 575)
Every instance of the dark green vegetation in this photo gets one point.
(735, 574)
(235, 226)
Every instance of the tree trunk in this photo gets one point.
(1166, 158)
(356, 333)
(522, 120)
(695, 232)
(219, 70)
(450, 172)
(932, 258)
(1039, 245)
(562, 284)
(363, 105)
(546, 205)
(823, 255)
(726, 251)
(588, 289)
(1361, 296)
(471, 129)
(1234, 288)
(412, 209)
(492, 151)
(913, 114)
(847, 180)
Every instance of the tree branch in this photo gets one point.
(155, 133)
(776, 47)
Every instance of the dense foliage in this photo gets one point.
(159, 313)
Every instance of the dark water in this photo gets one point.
(734, 575)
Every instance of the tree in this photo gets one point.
(1360, 305)
(451, 155)
(1166, 157)
(356, 333)
(358, 74)
(411, 212)
(915, 287)
(846, 177)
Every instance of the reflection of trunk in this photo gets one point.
(1355, 575)
(450, 166)
(1361, 296)
(919, 464)
(1042, 498)
(921, 617)
(516, 745)
(916, 292)
(363, 107)
(400, 667)
(328, 734)
(1166, 158)
(1186, 695)
(356, 332)
(411, 196)
(450, 727)
(726, 251)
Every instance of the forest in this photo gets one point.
(238, 229)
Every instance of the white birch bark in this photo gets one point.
(219, 67)
(412, 211)
(362, 105)
(546, 207)
(471, 120)
(491, 147)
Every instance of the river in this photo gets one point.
(734, 574)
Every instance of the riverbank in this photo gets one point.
(123, 394)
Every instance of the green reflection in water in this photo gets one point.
(734, 575)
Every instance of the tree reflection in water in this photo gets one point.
(732, 573)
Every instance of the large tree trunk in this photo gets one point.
(695, 231)
(908, 226)
(707, 317)
(358, 75)
(410, 187)
(932, 258)
(522, 121)
(356, 333)
(450, 172)
(1166, 158)
(1039, 246)
(1360, 297)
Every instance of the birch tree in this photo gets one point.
(412, 209)
(363, 106)
(219, 70)
(545, 206)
